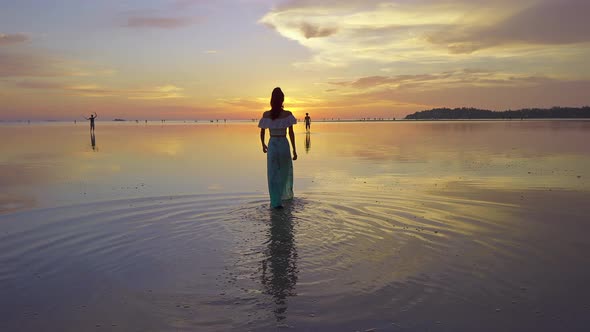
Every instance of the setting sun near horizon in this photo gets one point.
(196, 59)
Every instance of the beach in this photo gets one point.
(395, 226)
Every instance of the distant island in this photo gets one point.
(525, 113)
(119, 119)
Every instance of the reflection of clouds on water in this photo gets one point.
(279, 266)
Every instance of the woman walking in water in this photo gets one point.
(278, 160)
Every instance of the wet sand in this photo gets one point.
(395, 227)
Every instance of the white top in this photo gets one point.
(280, 123)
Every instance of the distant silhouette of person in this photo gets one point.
(93, 140)
(307, 142)
(91, 118)
(279, 166)
(279, 265)
(307, 122)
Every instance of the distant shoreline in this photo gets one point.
(435, 114)
(191, 122)
(481, 114)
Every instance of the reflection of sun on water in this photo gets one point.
(169, 147)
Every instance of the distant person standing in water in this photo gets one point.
(91, 118)
(307, 122)
(278, 160)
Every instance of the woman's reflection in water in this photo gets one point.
(307, 142)
(279, 267)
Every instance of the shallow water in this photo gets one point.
(398, 226)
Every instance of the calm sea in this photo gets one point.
(396, 226)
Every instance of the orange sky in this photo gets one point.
(195, 59)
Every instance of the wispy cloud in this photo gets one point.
(465, 77)
(44, 85)
(309, 30)
(15, 38)
(544, 23)
(94, 90)
(160, 92)
(159, 22)
(246, 103)
(29, 64)
(34, 63)
(491, 90)
(429, 31)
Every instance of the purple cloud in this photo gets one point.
(24, 64)
(312, 31)
(8, 39)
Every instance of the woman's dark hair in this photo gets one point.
(276, 103)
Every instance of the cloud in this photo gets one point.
(253, 104)
(39, 85)
(160, 92)
(544, 23)
(32, 63)
(481, 89)
(16, 38)
(262, 103)
(159, 22)
(464, 77)
(93, 90)
(345, 32)
(377, 31)
(306, 29)
(312, 31)
(29, 64)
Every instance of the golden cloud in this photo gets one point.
(92, 90)
(344, 32)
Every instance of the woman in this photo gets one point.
(278, 160)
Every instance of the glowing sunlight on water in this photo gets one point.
(409, 226)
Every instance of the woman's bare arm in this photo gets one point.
(264, 147)
(292, 138)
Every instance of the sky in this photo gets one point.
(201, 59)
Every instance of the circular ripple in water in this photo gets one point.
(230, 262)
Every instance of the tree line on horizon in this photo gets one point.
(525, 113)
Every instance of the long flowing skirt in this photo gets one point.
(279, 170)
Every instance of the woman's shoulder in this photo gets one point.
(286, 114)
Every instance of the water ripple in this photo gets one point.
(219, 250)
